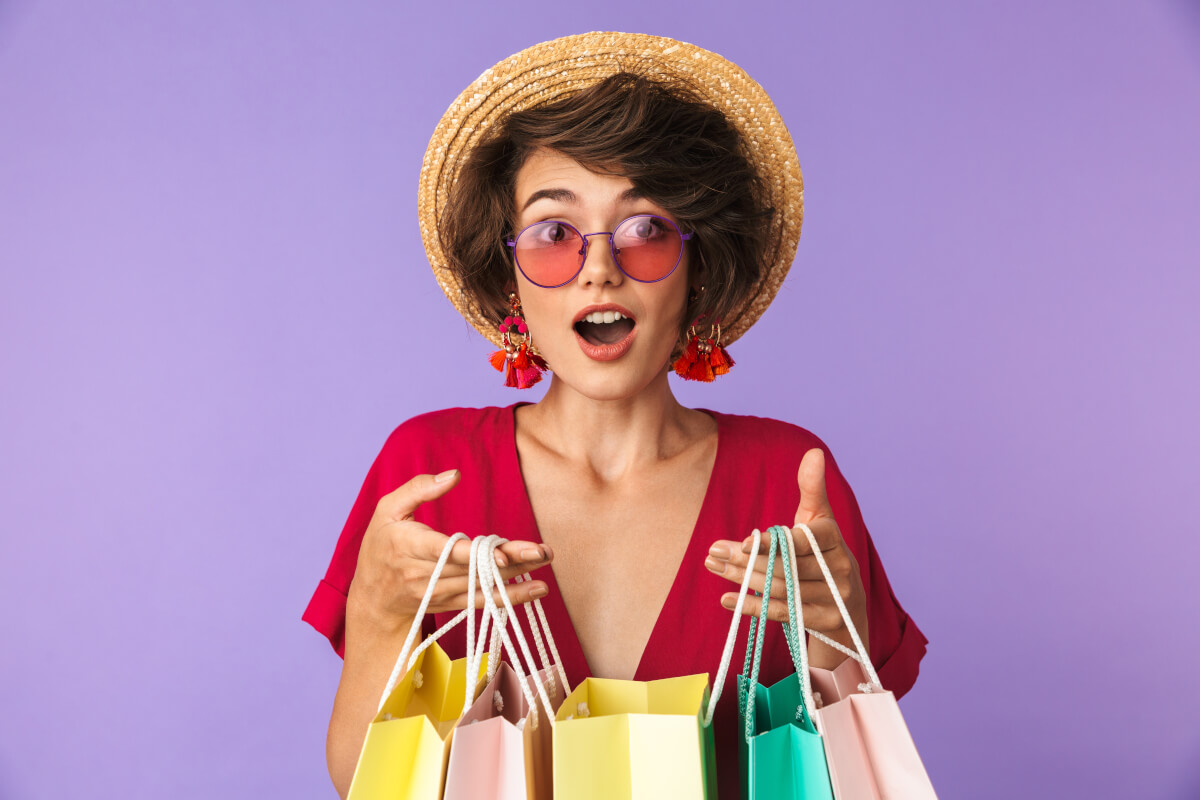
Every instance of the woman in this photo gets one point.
(616, 207)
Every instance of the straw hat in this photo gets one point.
(553, 70)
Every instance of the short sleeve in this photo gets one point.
(327, 609)
(897, 645)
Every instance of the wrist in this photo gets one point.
(369, 618)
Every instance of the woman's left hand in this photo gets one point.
(731, 559)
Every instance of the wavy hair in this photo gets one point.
(679, 151)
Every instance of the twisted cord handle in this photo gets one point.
(544, 627)
(433, 637)
(754, 655)
(863, 657)
(794, 629)
(475, 644)
(487, 584)
(781, 539)
(491, 579)
(401, 660)
(719, 683)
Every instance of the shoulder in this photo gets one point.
(450, 420)
(765, 433)
(450, 431)
(761, 447)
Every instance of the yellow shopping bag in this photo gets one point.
(635, 740)
(404, 754)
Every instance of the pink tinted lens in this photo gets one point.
(648, 248)
(548, 253)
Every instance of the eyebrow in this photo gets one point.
(568, 197)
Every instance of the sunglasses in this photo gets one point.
(645, 247)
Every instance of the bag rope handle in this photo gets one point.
(863, 657)
(755, 638)
(491, 613)
(795, 632)
(492, 582)
(475, 652)
(549, 640)
(731, 638)
(399, 668)
(475, 643)
(780, 539)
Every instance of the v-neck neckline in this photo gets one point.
(558, 616)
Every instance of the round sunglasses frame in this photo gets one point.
(511, 241)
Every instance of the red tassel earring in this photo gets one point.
(524, 367)
(704, 358)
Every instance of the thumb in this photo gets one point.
(814, 502)
(403, 501)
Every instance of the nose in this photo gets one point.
(599, 268)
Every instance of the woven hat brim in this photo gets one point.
(561, 67)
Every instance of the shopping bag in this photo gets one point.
(635, 740)
(780, 752)
(500, 749)
(539, 724)
(404, 753)
(870, 752)
(403, 756)
(487, 756)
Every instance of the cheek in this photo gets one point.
(538, 309)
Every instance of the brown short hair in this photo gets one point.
(679, 151)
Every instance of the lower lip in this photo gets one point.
(606, 352)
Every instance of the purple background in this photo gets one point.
(214, 307)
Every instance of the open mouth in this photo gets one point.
(604, 327)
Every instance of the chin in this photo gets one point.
(608, 382)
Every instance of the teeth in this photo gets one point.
(603, 317)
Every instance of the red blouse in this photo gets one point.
(753, 485)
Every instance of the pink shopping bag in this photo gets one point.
(501, 746)
(870, 752)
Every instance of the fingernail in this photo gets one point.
(529, 554)
(719, 550)
(715, 565)
(727, 601)
(538, 592)
(501, 559)
(547, 553)
(442, 477)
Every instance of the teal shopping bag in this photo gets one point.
(781, 754)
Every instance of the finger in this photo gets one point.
(818, 616)
(739, 554)
(814, 502)
(512, 552)
(737, 562)
(517, 593)
(812, 586)
(451, 585)
(826, 531)
(518, 551)
(753, 607)
(758, 578)
(400, 503)
(426, 544)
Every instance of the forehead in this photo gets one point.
(549, 169)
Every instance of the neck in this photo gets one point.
(613, 437)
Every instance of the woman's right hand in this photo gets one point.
(395, 561)
(398, 554)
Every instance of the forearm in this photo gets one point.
(371, 652)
